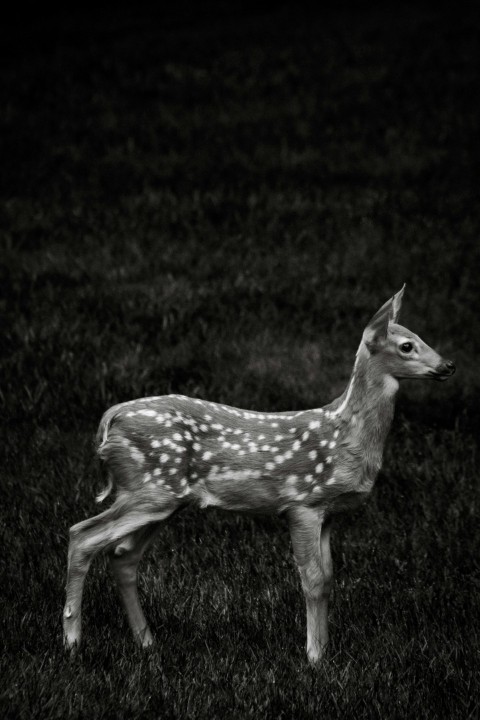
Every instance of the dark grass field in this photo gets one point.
(215, 204)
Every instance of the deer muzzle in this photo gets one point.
(444, 370)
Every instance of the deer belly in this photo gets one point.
(347, 501)
(236, 490)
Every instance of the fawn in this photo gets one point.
(163, 453)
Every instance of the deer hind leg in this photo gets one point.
(311, 547)
(124, 560)
(87, 539)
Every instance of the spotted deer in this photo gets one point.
(163, 453)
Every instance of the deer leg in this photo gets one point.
(311, 547)
(87, 539)
(327, 570)
(124, 562)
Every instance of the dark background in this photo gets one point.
(214, 202)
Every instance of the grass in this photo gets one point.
(216, 206)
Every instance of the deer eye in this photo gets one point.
(406, 347)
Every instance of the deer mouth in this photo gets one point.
(440, 376)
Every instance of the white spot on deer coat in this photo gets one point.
(136, 455)
(147, 413)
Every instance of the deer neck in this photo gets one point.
(367, 405)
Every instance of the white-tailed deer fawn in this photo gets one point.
(163, 453)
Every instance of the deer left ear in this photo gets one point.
(397, 304)
(377, 328)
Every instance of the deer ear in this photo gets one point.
(377, 328)
(397, 304)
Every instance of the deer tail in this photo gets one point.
(101, 441)
(105, 492)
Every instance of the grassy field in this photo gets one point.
(215, 206)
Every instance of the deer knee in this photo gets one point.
(75, 531)
(75, 543)
(78, 558)
(315, 584)
(327, 579)
(124, 565)
(126, 545)
(78, 554)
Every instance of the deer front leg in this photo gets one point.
(311, 547)
(327, 570)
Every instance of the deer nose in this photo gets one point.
(448, 367)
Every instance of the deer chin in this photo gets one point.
(439, 377)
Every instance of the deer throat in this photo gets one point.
(368, 415)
